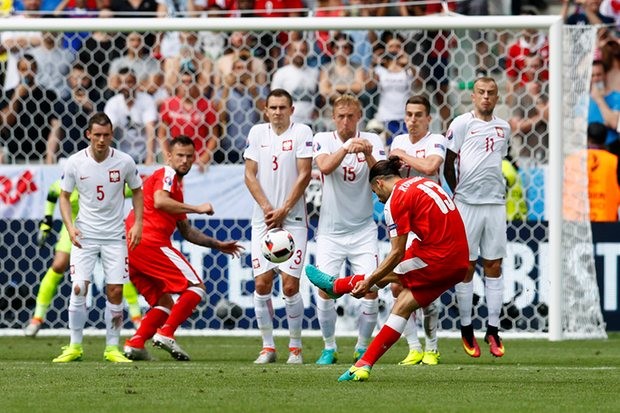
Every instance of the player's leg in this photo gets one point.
(82, 264)
(293, 302)
(474, 221)
(263, 307)
(329, 257)
(388, 335)
(493, 249)
(49, 283)
(131, 297)
(114, 263)
(410, 333)
(364, 259)
(134, 348)
(431, 323)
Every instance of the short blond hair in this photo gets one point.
(347, 100)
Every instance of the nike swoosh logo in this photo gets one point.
(84, 177)
(264, 146)
(474, 132)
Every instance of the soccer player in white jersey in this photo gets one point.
(479, 140)
(422, 154)
(347, 230)
(278, 163)
(99, 173)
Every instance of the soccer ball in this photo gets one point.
(277, 245)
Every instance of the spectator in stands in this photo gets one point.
(240, 45)
(611, 9)
(242, 102)
(168, 44)
(19, 42)
(362, 39)
(132, 9)
(394, 78)
(610, 55)
(54, 64)
(137, 58)
(604, 105)
(134, 115)
(96, 53)
(323, 38)
(189, 59)
(587, 14)
(603, 180)
(27, 117)
(300, 80)
(530, 139)
(531, 42)
(74, 111)
(189, 113)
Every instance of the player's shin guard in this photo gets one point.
(494, 292)
(326, 313)
(367, 321)
(389, 334)
(263, 308)
(464, 298)
(431, 321)
(77, 311)
(182, 309)
(113, 323)
(294, 306)
(47, 291)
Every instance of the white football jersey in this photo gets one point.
(101, 188)
(277, 165)
(346, 204)
(480, 147)
(430, 144)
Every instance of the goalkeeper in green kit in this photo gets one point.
(55, 274)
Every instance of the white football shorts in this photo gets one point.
(113, 260)
(294, 265)
(485, 226)
(360, 248)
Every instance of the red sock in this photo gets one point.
(151, 321)
(181, 310)
(345, 285)
(385, 339)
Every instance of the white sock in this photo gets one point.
(294, 316)
(411, 333)
(367, 321)
(113, 323)
(494, 292)
(77, 317)
(326, 313)
(431, 321)
(396, 323)
(264, 318)
(465, 298)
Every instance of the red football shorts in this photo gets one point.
(158, 270)
(428, 280)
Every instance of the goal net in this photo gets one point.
(209, 77)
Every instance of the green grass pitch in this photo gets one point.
(534, 376)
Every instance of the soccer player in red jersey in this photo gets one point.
(156, 268)
(426, 266)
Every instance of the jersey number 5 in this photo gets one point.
(441, 198)
(100, 193)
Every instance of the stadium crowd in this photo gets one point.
(212, 86)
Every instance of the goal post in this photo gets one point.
(559, 41)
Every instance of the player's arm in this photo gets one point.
(449, 172)
(134, 236)
(385, 268)
(65, 213)
(197, 237)
(275, 218)
(428, 166)
(251, 181)
(163, 201)
(328, 162)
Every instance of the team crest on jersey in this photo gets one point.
(115, 175)
(287, 145)
(499, 131)
(420, 153)
(360, 157)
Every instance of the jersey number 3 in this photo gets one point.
(441, 198)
